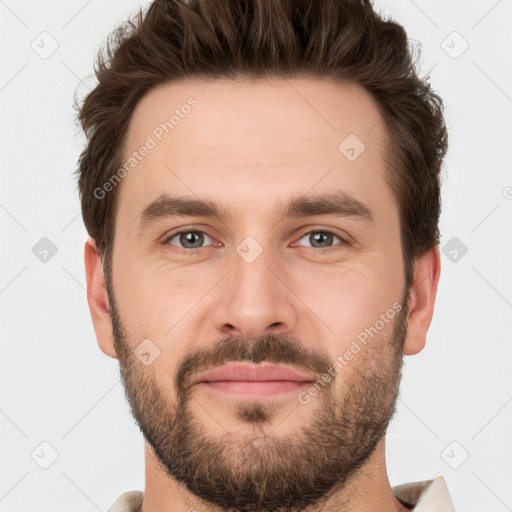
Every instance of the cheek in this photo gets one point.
(347, 299)
(160, 306)
(360, 310)
(154, 296)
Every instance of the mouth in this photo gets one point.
(254, 380)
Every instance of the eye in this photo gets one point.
(319, 239)
(189, 239)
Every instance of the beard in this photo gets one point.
(264, 471)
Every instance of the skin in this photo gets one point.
(250, 146)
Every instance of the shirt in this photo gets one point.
(426, 496)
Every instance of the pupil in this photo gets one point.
(189, 238)
(320, 236)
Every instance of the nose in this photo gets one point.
(256, 299)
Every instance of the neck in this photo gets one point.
(368, 490)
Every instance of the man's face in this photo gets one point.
(264, 288)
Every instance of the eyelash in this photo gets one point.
(183, 250)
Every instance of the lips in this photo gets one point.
(252, 373)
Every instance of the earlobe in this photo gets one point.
(422, 297)
(97, 298)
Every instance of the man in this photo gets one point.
(261, 189)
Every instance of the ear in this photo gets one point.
(97, 299)
(422, 296)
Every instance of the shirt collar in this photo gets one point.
(426, 496)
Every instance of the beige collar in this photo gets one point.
(426, 496)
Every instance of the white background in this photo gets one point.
(58, 387)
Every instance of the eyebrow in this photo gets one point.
(338, 204)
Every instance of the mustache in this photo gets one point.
(284, 349)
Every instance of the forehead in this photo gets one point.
(247, 141)
(324, 114)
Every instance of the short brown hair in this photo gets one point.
(339, 40)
